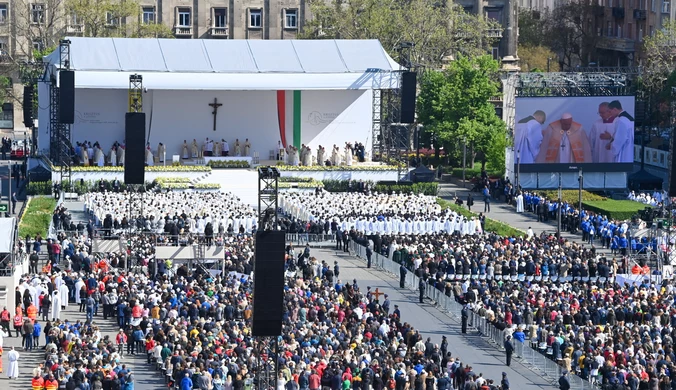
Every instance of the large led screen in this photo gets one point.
(561, 133)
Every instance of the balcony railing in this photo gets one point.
(640, 14)
(219, 32)
(494, 33)
(624, 45)
(182, 31)
(75, 29)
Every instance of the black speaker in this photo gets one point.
(135, 139)
(268, 299)
(639, 113)
(408, 91)
(67, 96)
(28, 106)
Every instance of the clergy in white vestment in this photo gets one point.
(238, 148)
(161, 152)
(519, 203)
(184, 150)
(13, 369)
(528, 137)
(99, 157)
(601, 153)
(78, 286)
(622, 141)
(225, 148)
(120, 155)
(321, 156)
(194, 149)
(296, 157)
(63, 292)
(150, 161)
(112, 157)
(348, 154)
(247, 147)
(218, 148)
(56, 305)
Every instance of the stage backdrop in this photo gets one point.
(530, 136)
(309, 117)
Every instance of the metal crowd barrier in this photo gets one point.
(305, 238)
(536, 360)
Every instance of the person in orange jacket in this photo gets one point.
(51, 383)
(37, 383)
(32, 312)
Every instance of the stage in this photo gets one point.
(270, 92)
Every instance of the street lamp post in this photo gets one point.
(580, 179)
(518, 166)
(464, 159)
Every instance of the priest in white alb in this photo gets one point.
(161, 152)
(184, 150)
(113, 156)
(13, 369)
(120, 155)
(247, 147)
(150, 160)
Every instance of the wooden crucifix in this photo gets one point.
(215, 106)
(377, 294)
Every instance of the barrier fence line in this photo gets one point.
(536, 359)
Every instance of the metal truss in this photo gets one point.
(376, 122)
(268, 201)
(628, 70)
(135, 93)
(54, 125)
(266, 352)
(575, 84)
(60, 145)
(386, 111)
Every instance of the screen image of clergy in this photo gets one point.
(574, 130)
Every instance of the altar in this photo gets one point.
(248, 159)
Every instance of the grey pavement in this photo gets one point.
(146, 377)
(431, 322)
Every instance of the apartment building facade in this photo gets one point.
(622, 26)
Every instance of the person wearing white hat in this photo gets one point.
(565, 141)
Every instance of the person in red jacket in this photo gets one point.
(121, 340)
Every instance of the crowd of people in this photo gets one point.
(174, 213)
(560, 297)
(376, 213)
(656, 199)
(195, 327)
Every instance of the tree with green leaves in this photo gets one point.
(453, 106)
(111, 18)
(438, 29)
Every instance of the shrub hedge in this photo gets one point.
(615, 209)
(472, 173)
(571, 196)
(36, 217)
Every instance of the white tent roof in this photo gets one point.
(229, 64)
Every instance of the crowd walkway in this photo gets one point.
(506, 213)
(145, 375)
(431, 322)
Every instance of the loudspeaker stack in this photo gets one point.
(408, 92)
(67, 96)
(135, 138)
(268, 299)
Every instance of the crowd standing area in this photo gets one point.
(563, 298)
(196, 326)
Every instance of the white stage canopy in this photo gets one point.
(194, 64)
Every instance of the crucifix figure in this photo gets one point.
(377, 294)
(215, 105)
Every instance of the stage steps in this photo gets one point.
(202, 178)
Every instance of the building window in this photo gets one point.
(666, 7)
(37, 13)
(74, 21)
(630, 30)
(255, 18)
(111, 20)
(3, 13)
(652, 31)
(37, 45)
(220, 19)
(619, 30)
(609, 29)
(496, 53)
(291, 18)
(183, 19)
(148, 15)
(4, 49)
(653, 5)
(494, 14)
(7, 117)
